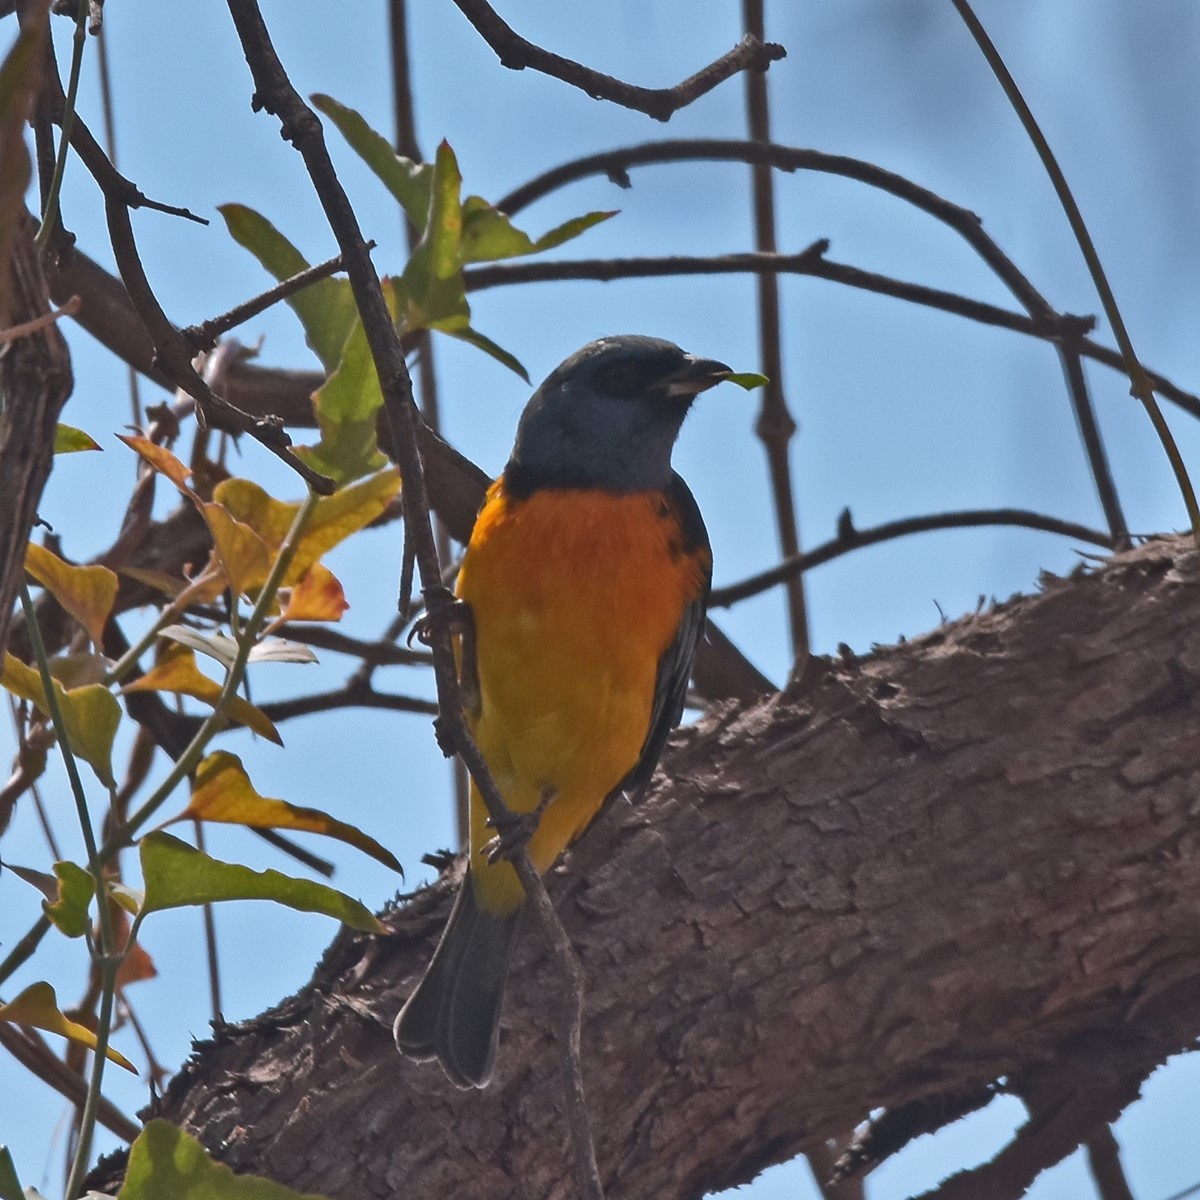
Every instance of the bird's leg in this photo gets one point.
(456, 619)
(514, 830)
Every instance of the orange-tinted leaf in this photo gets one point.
(176, 672)
(223, 792)
(317, 597)
(37, 1006)
(162, 460)
(334, 518)
(87, 593)
(91, 713)
(244, 558)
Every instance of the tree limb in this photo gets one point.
(968, 857)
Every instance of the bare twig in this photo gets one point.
(29, 1049)
(849, 539)
(1139, 382)
(1093, 445)
(408, 146)
(171, 353)
(775, 425)
(350, 696)
(516, 53)
(1104, 1162)
(204, 336)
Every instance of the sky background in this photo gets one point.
(901, 411)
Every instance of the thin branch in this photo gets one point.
(204, 336)
(516, 53)
(350, 696)
(849, 539)
(1104, 1162)
(407, 145)
(172, 356)
(382, 652)
(1138, 380)
(775, 425)
(29, 1049)
(1093, 445)
(615, 164)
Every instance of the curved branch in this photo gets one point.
(350, 696)
(1050, 327)
(516, 53)
(849, 539)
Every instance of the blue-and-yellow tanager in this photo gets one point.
(587, 575)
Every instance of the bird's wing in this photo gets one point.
(675, 666)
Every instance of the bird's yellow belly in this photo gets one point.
(576, 595)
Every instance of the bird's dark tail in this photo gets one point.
(454, 1015)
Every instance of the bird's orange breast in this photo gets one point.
(576, 595)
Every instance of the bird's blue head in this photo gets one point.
(608, 416)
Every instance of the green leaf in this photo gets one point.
(488, 234)
(746, 379)
(10, 1185)
(408, 181)
(325, 308)
(347, 408)
(165, 1161)
(69, 440)
(474, 338)
(178, 875)
(76, 890)
(433, 282)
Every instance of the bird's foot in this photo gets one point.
(513, 831)
(454, 618)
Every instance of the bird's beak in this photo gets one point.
(695, 376)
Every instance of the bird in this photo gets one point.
(586, 577)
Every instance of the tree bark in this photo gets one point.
(966, 858)
(35, 381)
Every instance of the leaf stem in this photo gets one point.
(105, 958)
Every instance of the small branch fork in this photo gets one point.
(172, 355)
(299, 125)
(516, 53)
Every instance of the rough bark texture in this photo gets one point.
(967, 857)
(35, 381)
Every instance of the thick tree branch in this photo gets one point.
(967, 857)
(35, 381)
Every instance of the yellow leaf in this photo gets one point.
(91, 713)
(335, 517)
(37, 1006)
(163, 461)
(244, 558)
(176, 672)
(87, 593)
(223, 792)
(317, 597)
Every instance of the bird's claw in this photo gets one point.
(513, 831)
(454, 619)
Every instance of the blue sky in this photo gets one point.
(901, 411)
